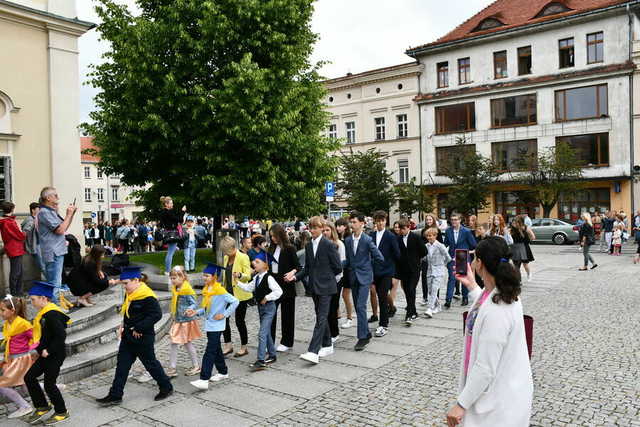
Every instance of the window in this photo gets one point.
(379, 128)
(351, 132)
(400, 86)
(590, 150)
(87, 194)
(443, 74)
(403, 171)
(451, 159)
(514, 155)
(500, 64)
(464, 70)
(488, 24)
(513, 111)
(595, 48)
(5, 178)
(571, 205)
(456, 118)
(403, 130)
(524, 60)
(582, 103)
(99, 173)
(552, 9)
(114, 194)
(333, 131)
(566, 53)
(512, 203)
(101, 194)
(87, 172)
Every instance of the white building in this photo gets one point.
(105, 198)
(522, 75)
(375, 109)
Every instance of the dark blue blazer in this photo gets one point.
(360, 265)
(466, 240)
(390, 251)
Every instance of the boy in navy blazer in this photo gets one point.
(457, 237)
(383, 273)
(361, 253)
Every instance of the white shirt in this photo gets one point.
(315, 242)
(343, 256)
(379, 235)
(455, 235)
(405, 239)
(276, 256)
(356, 240)
(276, 290)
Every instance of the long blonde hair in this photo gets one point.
(334, 233)
(587, 218)
(164, 200)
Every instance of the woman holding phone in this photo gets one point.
(496, 385)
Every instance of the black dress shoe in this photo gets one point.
(447, 305)
(361, 344)
(258, 365)
(163, 394)
(270, 359)
(465, 301)
(373, 318)
(109, 400)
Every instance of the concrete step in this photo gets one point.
(86, 338)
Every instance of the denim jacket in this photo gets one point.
(220, 304)
(185, 302)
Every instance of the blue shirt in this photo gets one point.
(51, 244)
(220, 304)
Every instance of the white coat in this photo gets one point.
(498, 390)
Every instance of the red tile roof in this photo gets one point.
(86, 143)
(516, 13)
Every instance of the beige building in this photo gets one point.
(375, 109)
(105, 197)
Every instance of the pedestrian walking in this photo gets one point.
(190, 241)
(13, 238)
(108, 234)
(331, 233)
(499, 228)
(437, 259)
(607, 228)
(496, 384)
(457, 237)
(412, 250)
(171, 229)
(344, 231)
(521, 249)
(616, 240)
(587, 239)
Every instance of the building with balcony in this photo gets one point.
(375, 109)
(523, 75)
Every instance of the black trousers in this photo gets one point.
(137, 348)
(15, 275)
(383, 286)
(241, 313)
(287, 307)
(409, 284)
(50, 367)
(212, 356)
(321, 335)
(334, 329)
(124, 243)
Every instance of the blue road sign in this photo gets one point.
(329, 189)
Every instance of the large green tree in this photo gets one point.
(365, 182)
(412, 198)
(214, 102)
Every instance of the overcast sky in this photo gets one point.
(355, 35)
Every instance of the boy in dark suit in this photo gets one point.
(412, 250)
(322, 264)
(457, 237)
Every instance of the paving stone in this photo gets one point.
(136, 397)
(359, 358)
(326, 370)
(264, 404)
(192, 413)
(287, 383)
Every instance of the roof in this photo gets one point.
(86, 25)
(516, 14)
(86, 143)
(370, 72)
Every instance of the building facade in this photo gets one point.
(105, 197)
(375, 109)
(520, 77)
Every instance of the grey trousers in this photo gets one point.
(321, 334)
(587, 255)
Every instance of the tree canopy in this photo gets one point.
(215, 103)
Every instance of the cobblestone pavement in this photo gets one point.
(585, 362)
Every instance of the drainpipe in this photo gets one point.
(421, 215)
(631, 111)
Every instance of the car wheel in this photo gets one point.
(559, 239)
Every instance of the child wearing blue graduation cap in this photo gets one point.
(266, 291)
(217, 306)
(141, 311)
(49, 335)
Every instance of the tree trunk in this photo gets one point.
(546, 210)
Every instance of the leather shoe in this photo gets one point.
(163, 394)
(361, 344)
(465, 301)
(109, 400)
(447, 305)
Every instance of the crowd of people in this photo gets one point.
(345, 266)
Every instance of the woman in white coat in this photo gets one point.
(496, 386)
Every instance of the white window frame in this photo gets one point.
(403, 171)
(333, 131)
(403, 126)
(87, 172)
(114, 194)
(99, 173)
(6, 178)
(351, 132)
(100, 194)
(87, 195)
(380, 128)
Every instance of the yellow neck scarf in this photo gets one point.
(37, 330)
(9, 330)
(185, 289)
(209, 290)
(142, 292)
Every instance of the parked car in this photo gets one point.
(554, 230)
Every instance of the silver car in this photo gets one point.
(554, 230)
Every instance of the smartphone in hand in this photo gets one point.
(462, 259)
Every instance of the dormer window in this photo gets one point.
(488, 24)
(552, 8)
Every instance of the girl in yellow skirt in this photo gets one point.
(17, 333)
(184, 329)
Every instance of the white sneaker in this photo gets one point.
(347, 324)
(21, 412)
(144, 378)
(529, 277)
(381, 331)
(335, 339)
(325, 351)
(428, 313)
(200, 384)
(424, 302)
(218, 377)
(310, 357)
(282, 348)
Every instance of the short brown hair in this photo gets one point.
(377, 215)
(8, 207)
(404, 223)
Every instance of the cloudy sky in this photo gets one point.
(355, 35)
